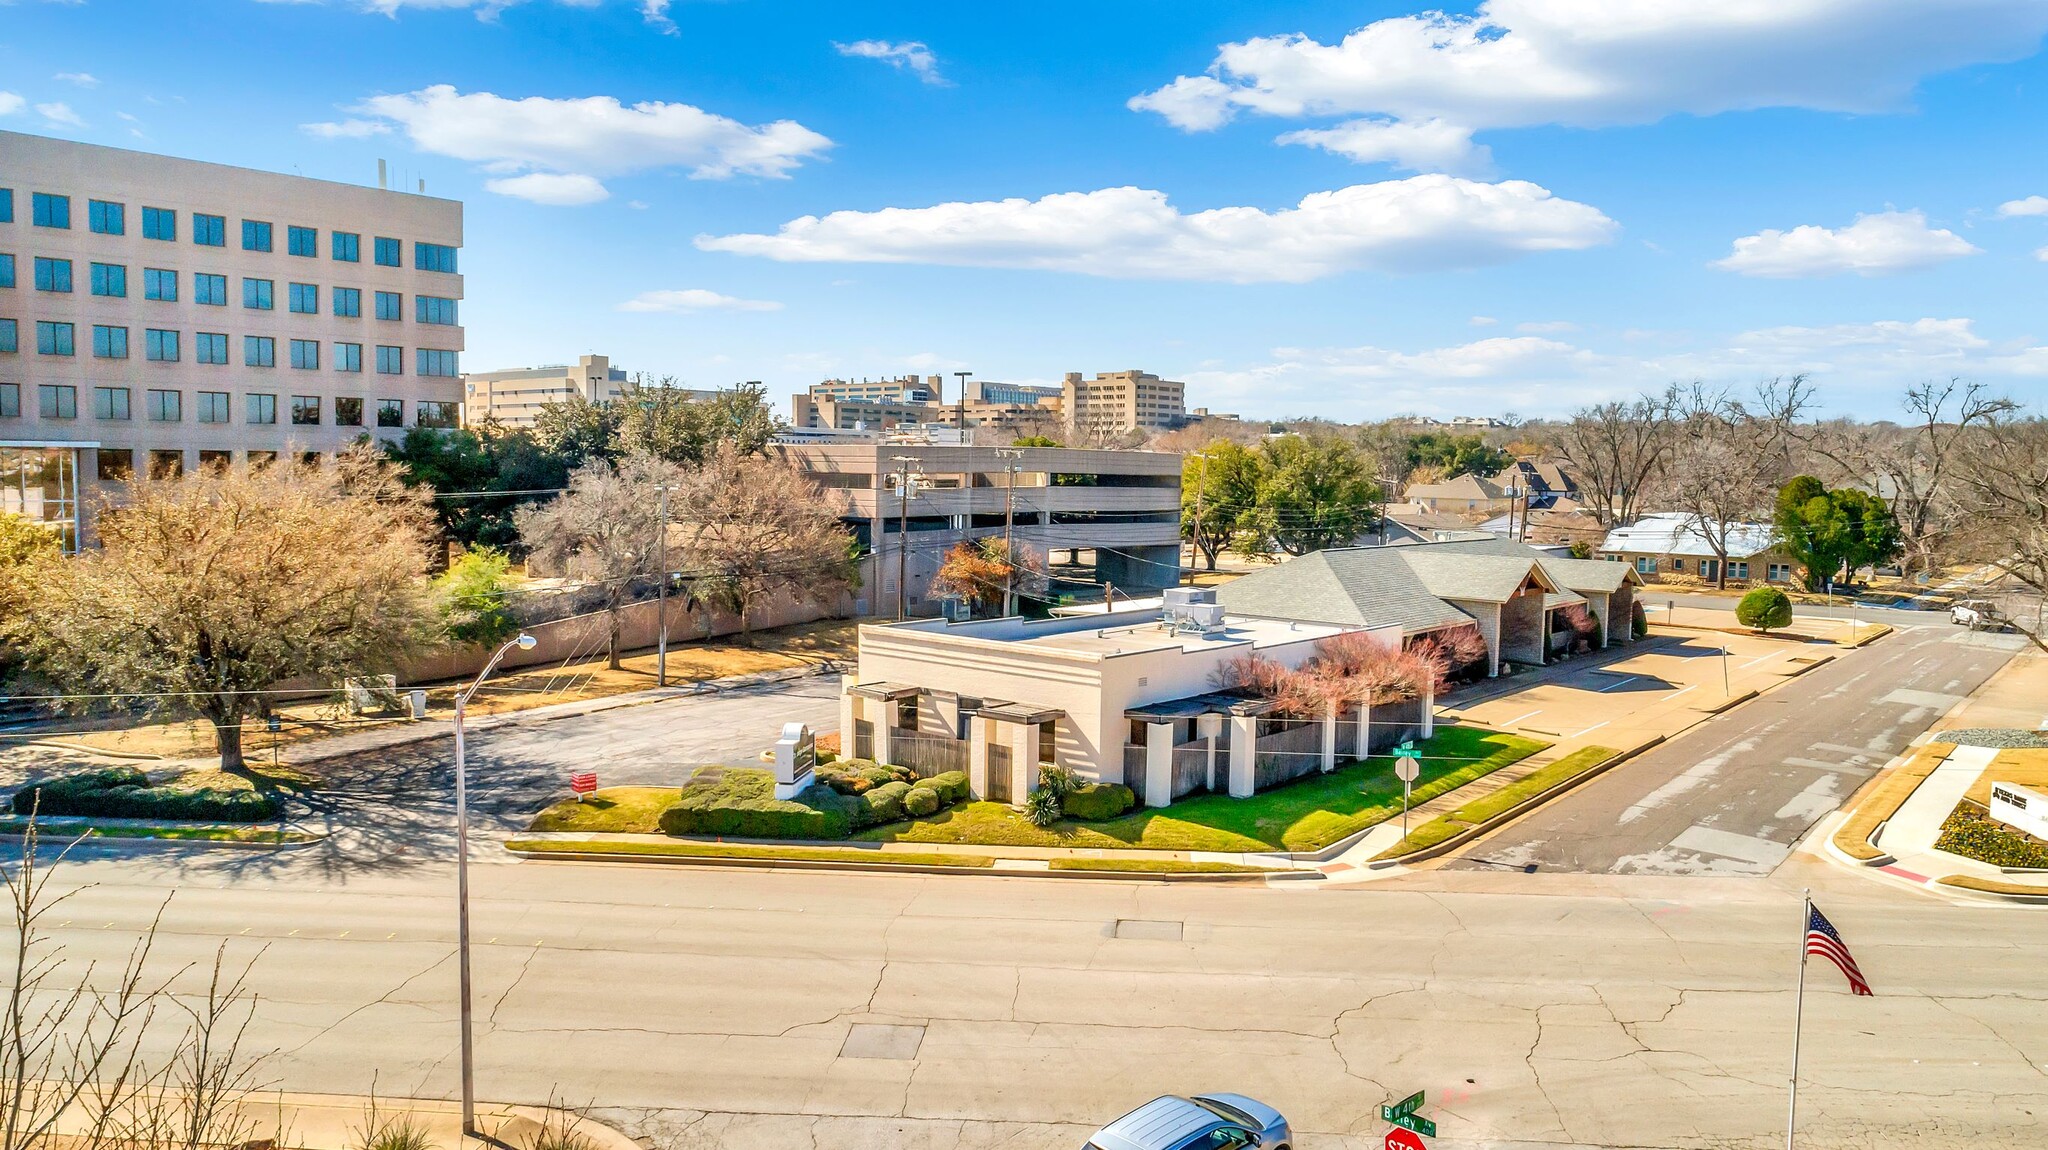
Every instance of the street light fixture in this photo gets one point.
(524, 642)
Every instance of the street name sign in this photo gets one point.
(1417, 1123)
(1408, 1105)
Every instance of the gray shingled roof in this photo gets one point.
(1361, 586)
(1586, 576)
(1470, 575)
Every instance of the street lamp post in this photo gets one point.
(524, 642)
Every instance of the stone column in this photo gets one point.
(1244, 744)
(977, 756)
(1329, 736)
(1159, 764)
(1364, 740)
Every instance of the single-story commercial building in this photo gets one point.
(1667, 543)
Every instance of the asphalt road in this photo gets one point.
(1732, 795)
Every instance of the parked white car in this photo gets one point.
(1979, 615)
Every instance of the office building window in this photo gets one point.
(6, 270)
(390, 305)
(390, 413)
(160, 345)
(10, 401)
(59, 400)
(348, 411)
(348, 357)
(348, 302)
(159, 224)
(108, 219)
(258, 460)
(433, 257)
(347, 247)
(259, 351)
(210, 346)
(109, 342)
(260, 408)
(385, 251)
(164, 406)
(6, 205)
(10, 336)
(390, 360)
(209, 231)
(305, 298)
(166, 464)
(427, 361)
(110, 403)
(160, 283)
(48, 211)
(110, 280)
(300, 241)
(434, 309)
(210, 289)
(53, 275)
(256, 294)
(214, 461)
(434, 413)
(116, 464)
(306, 354)
(305, 409)
(213, 407)
(55, 338)
(255, 236)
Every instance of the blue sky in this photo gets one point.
(1347, 210)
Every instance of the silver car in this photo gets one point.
(1203, 1122)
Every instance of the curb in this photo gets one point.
(1725, 704)
(1510, 815)
(908, 868)
(1943, 886)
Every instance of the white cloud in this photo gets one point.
(910, 54)
(1552, 327)
(351, 129)
(578, 142)
(2031, 206)
(11, 103)
(2041, 254)
(1411, 145)
(655, 12)
(1877, 244)
(1589, 63)
(60, 113)
(1424, 223)
(551, 188)
(1482, 321)
(82, 79)
(686, 300)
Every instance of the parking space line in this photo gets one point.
(1519, 718)
(1761, 659)
(1678, 692)
(1613, 685)
(1594, 727)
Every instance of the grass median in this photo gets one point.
(1161, 866)
(669, 848)
(1500, 802)
(619, 810)
(58, 829)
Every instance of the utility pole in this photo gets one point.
(1010, 471)
(661, 611)
(904, 477)
(1195, 536)
(960, 401)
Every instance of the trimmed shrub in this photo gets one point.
(1094, 802)
(856, 766)
(1764, 609)
(1042, 809)
(826, 757)
(844, 783)
(125, 793)
(743, 804)
(883, 773)
(884, 804)
(951, 785)
(922, 801)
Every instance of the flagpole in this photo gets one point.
(1798, 1010)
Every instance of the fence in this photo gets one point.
(1134, 770)
(1290, 749)
(1191, 766)
(863, 739)
(926, 755)
(997, 788)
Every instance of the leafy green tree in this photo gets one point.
(578, 431)
(1764, 609)
(667, 422)
(476, 598)
(463, 464)
(1453, 455)
(1035, 441)
(1219, 495)
(1317, 491)
(1830, 531)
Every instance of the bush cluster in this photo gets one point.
(1095, 802)
(126, 793)
(855, 794)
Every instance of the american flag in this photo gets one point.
(1823, 939)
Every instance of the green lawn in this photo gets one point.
(66, 829)
(623, 810)
(1501, 801)
(673, 848)
(1307, 814)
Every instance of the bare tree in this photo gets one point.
(1729, 457)
(210, 589)
(605, 529)
(2000, 470)
(1619, 450)
(751, 529)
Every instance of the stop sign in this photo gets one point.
(1399, 1139)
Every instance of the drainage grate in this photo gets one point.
(1154, 929)
(880, 1040)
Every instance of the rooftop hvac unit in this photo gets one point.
(1174, 597)
(1192, 618)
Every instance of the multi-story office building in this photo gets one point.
(168, 314)
(1120, 402)
(907, 402)
(1111, 518)
(514, 397)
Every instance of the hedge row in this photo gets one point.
(743, 804)
(126, 793)
(1095, 802)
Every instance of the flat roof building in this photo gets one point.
(167, 314)
(515, 396)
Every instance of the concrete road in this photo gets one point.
(1732, 796)
(764, 1011)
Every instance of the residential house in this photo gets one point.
(1471, 496)
(1666, 544)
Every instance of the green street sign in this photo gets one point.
(1407, 751)
(1408, 1105)
(1415, 1122)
